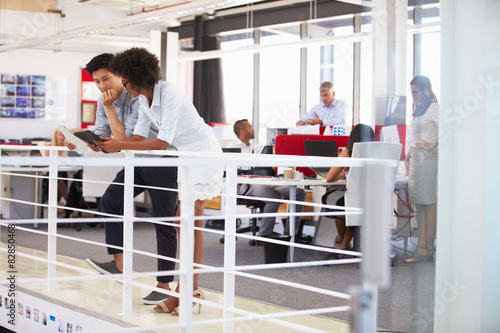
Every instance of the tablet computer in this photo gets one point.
(89, 137)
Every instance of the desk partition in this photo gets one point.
(293, 144)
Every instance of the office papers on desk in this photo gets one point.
(390, 134)
(81, 146)
(307, 129)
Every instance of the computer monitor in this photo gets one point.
(264, 171)
(268, 150)
(231, 150)
(321, 148)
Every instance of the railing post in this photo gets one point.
(1, 192)
(186, 247)
(128, 231)
(291, 220)
(374, 245)
(230, 247)
(52, 222)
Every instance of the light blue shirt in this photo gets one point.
(173, 114)
(334, 114)
(127, 111)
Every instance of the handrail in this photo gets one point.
(187, 161)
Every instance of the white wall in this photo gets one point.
(48, 63)
(467, 272)
(20, 26)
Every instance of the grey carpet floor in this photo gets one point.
(406, 306)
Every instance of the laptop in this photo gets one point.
(264, 171)
(231, 150)
(321, 148)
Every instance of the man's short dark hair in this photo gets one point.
(238, 126)
(98, 62)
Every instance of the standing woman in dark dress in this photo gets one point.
(421, 164)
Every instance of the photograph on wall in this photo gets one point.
(8, 102)
(10, 90)
(44, 319)
(8, 79)
(88, 112)
(28, 312)
(23, 96)
(38, 80)
(1, 301)
(21, 311)
(24, 80)
(36, 315)
(52, 322)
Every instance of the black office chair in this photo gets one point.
(253, 205)
(336, 194)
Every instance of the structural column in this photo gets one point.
(467, 272)
(165, 46)
(389, 54)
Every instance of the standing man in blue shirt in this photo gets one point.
(331, 112)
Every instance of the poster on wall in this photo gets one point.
(32, 97)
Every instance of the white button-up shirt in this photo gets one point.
(173, 114)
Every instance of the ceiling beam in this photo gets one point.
(187, 7)
(291, 13)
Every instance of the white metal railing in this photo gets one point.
(372, 276)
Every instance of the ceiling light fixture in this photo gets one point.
(140, 18)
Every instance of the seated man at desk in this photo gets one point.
(245, 132)
(330, 112)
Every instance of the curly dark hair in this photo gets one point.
(140, 67)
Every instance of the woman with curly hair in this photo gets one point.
(167, 109)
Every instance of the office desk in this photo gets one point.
(401, 183)
(293, 144)
(292, 185)
(28, 189)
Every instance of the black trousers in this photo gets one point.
(164, 205)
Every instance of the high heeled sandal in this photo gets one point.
(198, 293)
(163, 308)
(418, 257)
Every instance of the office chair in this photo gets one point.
(357, 178)
(354, 195)
(324, 232)
(253, 205)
